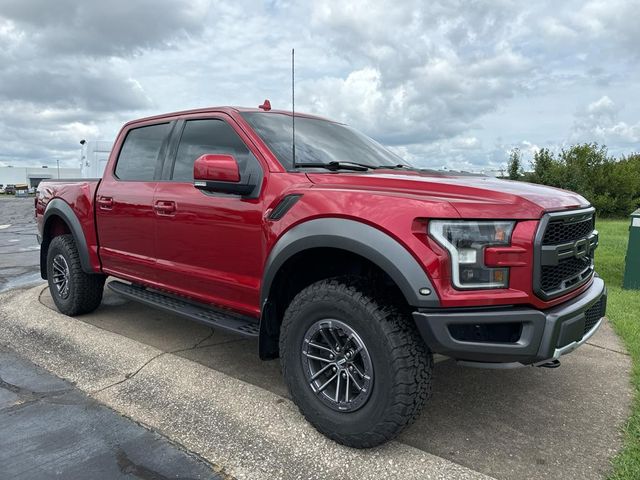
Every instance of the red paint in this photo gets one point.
(220, 168)
(213, 248)
(266, 106)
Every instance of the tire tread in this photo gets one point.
(411, 364)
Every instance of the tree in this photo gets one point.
(545, 169)
(515, 164)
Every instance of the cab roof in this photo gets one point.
(223, 109)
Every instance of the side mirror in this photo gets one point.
(219, 173)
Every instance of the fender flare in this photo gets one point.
(361, 239)
(60, 208)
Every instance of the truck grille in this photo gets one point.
(593, 314)
(571, 269)
(560, 232)
(565, 244)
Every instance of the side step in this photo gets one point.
(212, 317)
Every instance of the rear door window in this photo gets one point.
(139, 153)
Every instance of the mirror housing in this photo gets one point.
(220, 173)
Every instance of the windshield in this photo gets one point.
(318, 141)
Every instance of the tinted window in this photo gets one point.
(139, 154)
(207, 136)
(318, 140)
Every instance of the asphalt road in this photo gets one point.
(50, 429)
(19, 249)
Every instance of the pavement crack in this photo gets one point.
(608, 349)
(128, 376)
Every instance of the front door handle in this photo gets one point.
(105, 203)
(165, 207)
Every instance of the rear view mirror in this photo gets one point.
(219, 173)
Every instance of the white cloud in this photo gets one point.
(452, 82)
(600, 122)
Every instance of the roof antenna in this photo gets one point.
(293, 108)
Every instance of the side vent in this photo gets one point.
(284, 206)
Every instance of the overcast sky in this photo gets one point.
(444, 83)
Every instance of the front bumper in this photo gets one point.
(542, 335)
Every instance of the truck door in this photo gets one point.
(209, 246)
(125, 214)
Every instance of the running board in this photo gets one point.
(212, 317)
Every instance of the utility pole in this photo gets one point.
(58, 162)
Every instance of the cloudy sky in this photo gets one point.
(444, 82)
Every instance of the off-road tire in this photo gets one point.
(402, 363)
(85, 290)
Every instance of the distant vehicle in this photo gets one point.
(10, 189)
(345, 261)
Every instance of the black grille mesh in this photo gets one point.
(560, 232)
(553, 276)
(591, 316)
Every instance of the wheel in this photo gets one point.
(357, 369)
(73, 291)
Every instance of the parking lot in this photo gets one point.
(209, 393)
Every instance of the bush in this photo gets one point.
(611, 185)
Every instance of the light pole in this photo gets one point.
(58, 162)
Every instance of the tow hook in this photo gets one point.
(552, 364)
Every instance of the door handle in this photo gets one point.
(165, 207)
(105, 203)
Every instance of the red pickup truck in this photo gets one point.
(341, 258)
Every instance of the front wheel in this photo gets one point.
(73, 291)
(356, 368)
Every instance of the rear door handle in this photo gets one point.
(105, 203)
(165, 207)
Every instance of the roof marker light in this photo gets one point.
(266, 106)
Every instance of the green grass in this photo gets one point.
(623, 309)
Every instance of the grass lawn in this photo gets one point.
(623, 309)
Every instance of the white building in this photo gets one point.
(93, 158)
(31, 176)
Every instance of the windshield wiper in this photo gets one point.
(399, 166)
(357, 167)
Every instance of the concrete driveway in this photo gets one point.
(209, 392)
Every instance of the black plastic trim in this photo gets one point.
(201, 313)
(543, 330)
(538, 252)
(361, 239)
(281, 209)
(60, 208)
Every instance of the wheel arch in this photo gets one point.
(60, 219)
(356, 240)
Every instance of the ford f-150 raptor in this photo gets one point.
(346, 262)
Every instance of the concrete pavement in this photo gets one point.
(210, 393)
(243, 429)
(506, 424)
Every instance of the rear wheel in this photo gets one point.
(73, 291)
(356, 368)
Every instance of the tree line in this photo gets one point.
(612, 185)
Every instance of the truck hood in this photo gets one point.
(473, 196)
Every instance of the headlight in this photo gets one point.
(465, 241)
